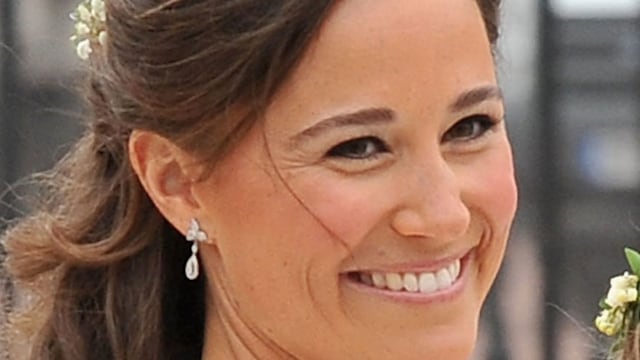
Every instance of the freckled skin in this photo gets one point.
(288, 222)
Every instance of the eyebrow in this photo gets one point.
(369, 116)
(378, 115)
(476, 96)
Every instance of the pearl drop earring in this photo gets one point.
(195, 235)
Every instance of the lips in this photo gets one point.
(411, 282)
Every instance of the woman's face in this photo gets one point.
(367, 215)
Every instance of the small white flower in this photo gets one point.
(97, 5)
(83, 49)
(84, 14)
(624, 281)
(621, 297)
(609, 322)
(624, 289)
(90, 27)
(102, 38)
(82, 29)
(97, 10)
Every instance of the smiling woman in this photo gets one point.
(340, 170)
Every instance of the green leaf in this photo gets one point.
(603, 304)
(633, 258)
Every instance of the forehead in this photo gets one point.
(369, 50)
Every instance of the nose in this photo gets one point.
(432, 204)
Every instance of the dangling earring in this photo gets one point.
(194, 234)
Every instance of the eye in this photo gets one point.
(359, 149)
(469, 128)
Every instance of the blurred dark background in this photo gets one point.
(571, 74)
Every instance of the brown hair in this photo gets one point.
(106, 267)
(631, 349)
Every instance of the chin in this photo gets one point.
(454, 349)
(446, 343)
(455, 343)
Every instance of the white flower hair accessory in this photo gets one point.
(620, 310)
(90, 27)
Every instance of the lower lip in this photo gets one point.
(441, 296)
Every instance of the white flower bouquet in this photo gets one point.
(620, 312)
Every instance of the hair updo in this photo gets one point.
(98, 269)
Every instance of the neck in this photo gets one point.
(228, 337)
(220, 341)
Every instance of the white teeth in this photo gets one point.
(378, 280)
(410, 282)
(452, 270)
(394, 281)
(426, 282)
(443, 278)
(456, 269)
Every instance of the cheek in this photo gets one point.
(491, 187)
(505, 191)
(492, 193)
(350, 209)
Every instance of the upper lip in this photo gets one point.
(418, 266)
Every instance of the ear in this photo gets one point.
(167, 174)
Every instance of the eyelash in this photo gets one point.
(481, 124)
(362, 148)
(370, 147)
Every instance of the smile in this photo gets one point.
(411, 282)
